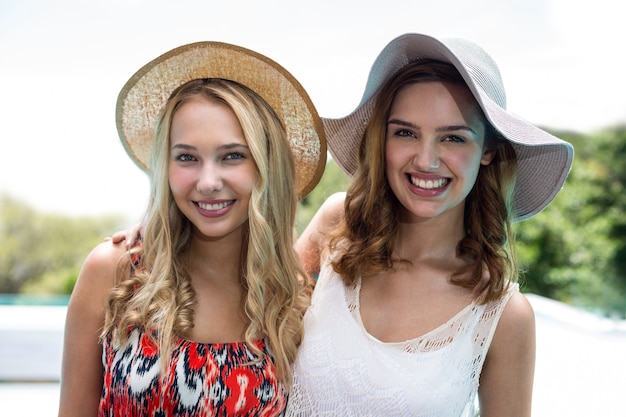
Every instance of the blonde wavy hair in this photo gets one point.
(159, 297)
(365, 241)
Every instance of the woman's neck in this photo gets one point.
(216, 259)
(430, 238)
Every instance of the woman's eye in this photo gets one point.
(185, 158)
(404, 133)
(235, 156)
(455, 139)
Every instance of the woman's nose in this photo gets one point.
(427, 156)
(210, 179)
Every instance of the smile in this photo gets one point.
(215, 206)
(429, 184)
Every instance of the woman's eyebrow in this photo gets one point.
(449, 128)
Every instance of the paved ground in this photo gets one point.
(31, 341)
(581, 362)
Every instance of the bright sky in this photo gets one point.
(63, 62)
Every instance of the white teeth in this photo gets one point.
(430, 184)
(216, 206)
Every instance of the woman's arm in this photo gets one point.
(81, 371)
(311, 242)
(506, 382)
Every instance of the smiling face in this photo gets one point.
(434, 147)
(211, 169)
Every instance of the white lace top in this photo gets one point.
(341, 370)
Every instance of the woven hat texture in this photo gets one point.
(143, 97)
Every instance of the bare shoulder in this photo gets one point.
(506, 379)
(332, 210)
(310, 243)
(87, 303)
(516, 327)
(106, 253)
(81, 374)
(327, 216)
(518, 312)
(99, 269)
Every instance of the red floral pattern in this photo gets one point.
(203, 380)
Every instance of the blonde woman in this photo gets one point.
(203, 316)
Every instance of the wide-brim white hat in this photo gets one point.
(144, 96)
(544, 160)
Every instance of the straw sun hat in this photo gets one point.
(144, 96)
(544, 161)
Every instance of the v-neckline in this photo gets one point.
(353, 303)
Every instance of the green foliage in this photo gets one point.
(575, 250)
(42, 253)
(57, 281)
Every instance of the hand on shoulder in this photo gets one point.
(128, 237)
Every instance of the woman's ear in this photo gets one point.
(488, 156)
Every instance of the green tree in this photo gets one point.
(609, 150)
(35, 246)
(571, 250)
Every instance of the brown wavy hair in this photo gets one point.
(159, 297)
(365, 241)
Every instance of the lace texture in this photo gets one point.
(341, 370)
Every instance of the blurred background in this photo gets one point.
(66, 182)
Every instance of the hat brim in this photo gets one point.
(144, 96)
(544, 160)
